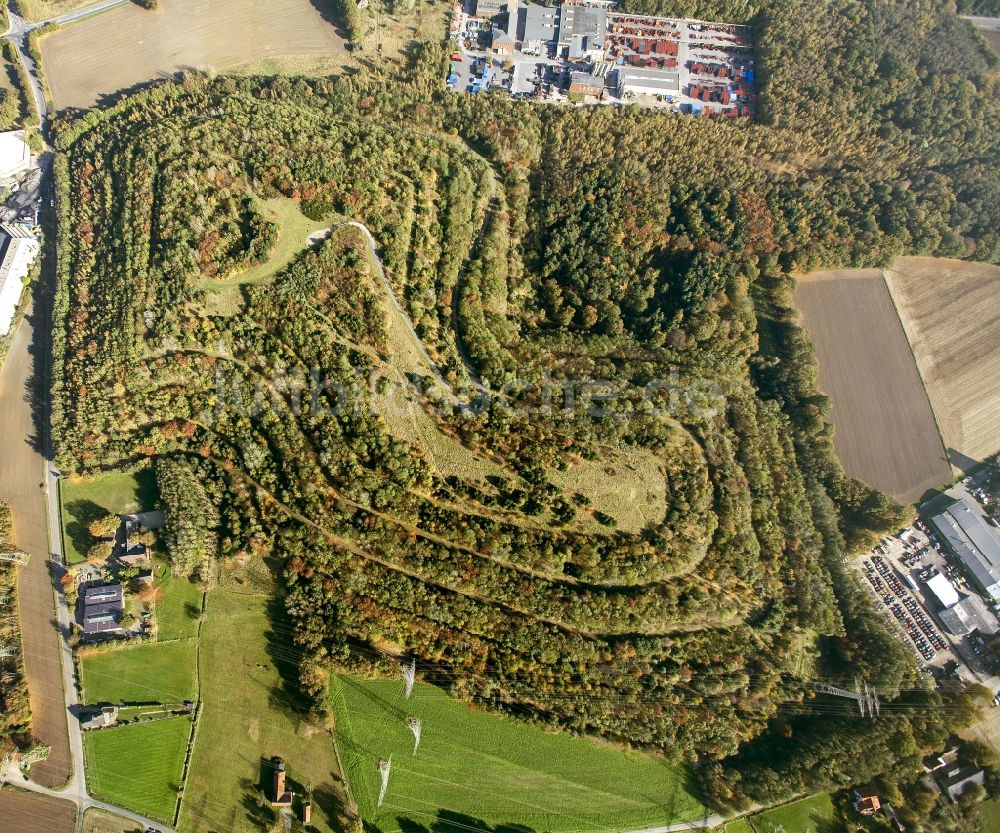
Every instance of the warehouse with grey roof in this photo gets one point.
(967, 534)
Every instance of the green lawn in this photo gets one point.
(810, 815)
(738, 826)
(991, 814)
(152, 673)
(86, 500)
(294, 229)
(248, 669)
(139, 766)
(178, 605)
(482, 771)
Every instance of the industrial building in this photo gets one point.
(541, 29)
(18, 250)
(967, 615)
(974, 542)
(635, 81)
(15, 155)
(582, 31)
(490, 8)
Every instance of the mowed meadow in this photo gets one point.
(885, 431)
(130, 45)
(479, 771)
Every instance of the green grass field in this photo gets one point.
(84, 501)
(152, 673)
(810, 815)
(139, 766)
(482, 771)
(991, 814)
(738, 826)
(248, 671)
(178, 605)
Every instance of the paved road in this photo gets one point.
(19, 27)
(985, 22)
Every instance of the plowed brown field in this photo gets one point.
(21, 473)
(30, 813)
(885, 429)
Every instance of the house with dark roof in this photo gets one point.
(102, 608)
(957, 780)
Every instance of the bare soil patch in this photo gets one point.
(31, 813)
(129, 45)
(950, 310)
(885, 432)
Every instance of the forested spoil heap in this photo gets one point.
(529, 243)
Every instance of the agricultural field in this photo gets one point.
(86, 500)
(163, 672)
(250, 714)
(129, 45)
(950, 310)
(885, 434)
(481, 770)
(31, 813)
(139, 766)
(20, 475)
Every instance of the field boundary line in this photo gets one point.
(920, 372)
(195, 718)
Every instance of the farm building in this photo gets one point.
(18, 250)
(541, 28)
(102, 608)
(634, 81)
(974, 542)
(15, 155)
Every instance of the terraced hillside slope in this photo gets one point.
(495, 311)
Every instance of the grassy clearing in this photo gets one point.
(85, 500)
(139, 766)
(810, 815)
(178, 606)
(98, 821)
(475, 769)
(991, 814)
(249, 676)
(154, 673)
(294, 229)
(738, 826)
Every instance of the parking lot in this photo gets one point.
(896, 572)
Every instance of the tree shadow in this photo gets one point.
(963, 462)
(283, 653)
(81, 514)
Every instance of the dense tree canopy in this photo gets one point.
(545, 249)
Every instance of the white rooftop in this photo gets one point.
(15, 155)
(943, 589)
